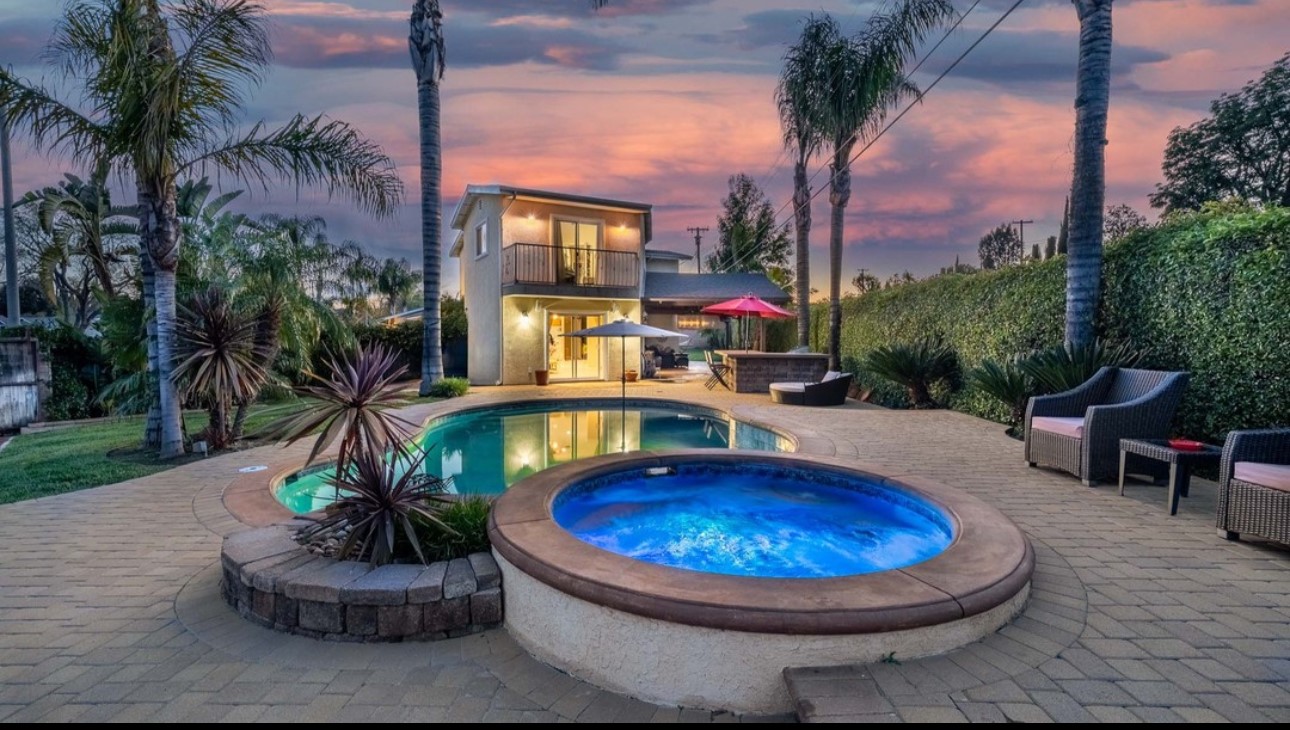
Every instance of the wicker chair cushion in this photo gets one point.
(1272, 476)
(789, 387)
(1073, 427)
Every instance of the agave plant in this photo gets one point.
(1061, 368)
(918, 367)
(384, 504)
(352, 405)
(219, 362)
(1007, 382)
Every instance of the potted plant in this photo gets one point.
(631, 375)
(541, 376)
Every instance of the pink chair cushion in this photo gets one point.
(1073, 427)
(1272, 476)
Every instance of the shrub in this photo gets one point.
(1062, 368)
(918, 368)
(461, 529)
(450, 388)
(69, 399)
(1205, 292)
(1006, 382)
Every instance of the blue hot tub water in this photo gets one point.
(755, 520)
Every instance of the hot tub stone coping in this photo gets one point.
(274, 581)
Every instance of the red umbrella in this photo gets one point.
(748, 306)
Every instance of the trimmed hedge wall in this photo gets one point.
(1208, 293)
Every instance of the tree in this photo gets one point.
(748, 238)
(1120, 221)
(396, 281)
(1050, 248)
(804, 75)
(1088, 188)
(899, 279)
(159, 112)
(426, 44)
(1063, 231)
(1242, 150)
(866, 79)
(79, 215)
(999, 248)
(864, 282)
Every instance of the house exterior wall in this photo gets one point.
(662, 265)
(528, 221)
(482, 287)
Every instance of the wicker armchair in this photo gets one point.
(1248, 507)
(1115, 403)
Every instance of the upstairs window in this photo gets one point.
(481, 240)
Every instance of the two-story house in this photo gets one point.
(537, 264)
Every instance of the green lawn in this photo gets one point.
(79, 457)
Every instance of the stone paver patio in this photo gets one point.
(109, 606)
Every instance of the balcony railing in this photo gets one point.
(533, 263)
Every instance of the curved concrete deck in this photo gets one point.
(110, 606)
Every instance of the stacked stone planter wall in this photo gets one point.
(272, 580)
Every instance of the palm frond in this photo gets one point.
(224, 51)
(52, 124)
(316, 152)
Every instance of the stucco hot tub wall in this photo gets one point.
(272, 580)
(721, 642)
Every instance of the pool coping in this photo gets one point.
(989, 562)
(250, 497)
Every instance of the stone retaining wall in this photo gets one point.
(272, 580)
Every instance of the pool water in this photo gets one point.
(485, 451)
(755, 520)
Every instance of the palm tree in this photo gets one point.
(805, 74)
(867, 79)
(426, 44)
(396, 281)
(158, 113)
(78, 214)
(425, 41)
(1088, 188)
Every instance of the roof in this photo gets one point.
(660, 287)
(654, 253)
(473, 191)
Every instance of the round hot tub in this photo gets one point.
(695, 577)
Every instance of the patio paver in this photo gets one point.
(109, 608)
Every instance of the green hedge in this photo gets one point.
(1208, 293)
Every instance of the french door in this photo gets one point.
(573, 358)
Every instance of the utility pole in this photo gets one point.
(1021, 225)
(10, 246)
(698, 241)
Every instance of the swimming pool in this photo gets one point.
(484, 451)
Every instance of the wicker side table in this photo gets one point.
(1180, 463)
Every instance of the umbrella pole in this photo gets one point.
(622, 422)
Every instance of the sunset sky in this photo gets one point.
(660, 101)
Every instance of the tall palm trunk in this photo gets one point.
(1088, 189)
(839, 196)
(159, 235)
(152, 427)
(802, 226)
(425, 42)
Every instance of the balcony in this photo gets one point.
(532, 268)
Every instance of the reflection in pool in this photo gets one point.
(485, 451)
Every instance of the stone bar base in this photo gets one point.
(753, 372)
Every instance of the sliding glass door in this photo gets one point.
(578, 243)
(573, 358)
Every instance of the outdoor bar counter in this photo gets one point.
(753, 372)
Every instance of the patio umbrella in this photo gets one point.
(748, 306)
(622, 329)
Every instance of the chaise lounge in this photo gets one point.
(830, 391)
(1254, 485)
(1079, 431)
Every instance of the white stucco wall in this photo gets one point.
(482, 285)
(693, 666)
